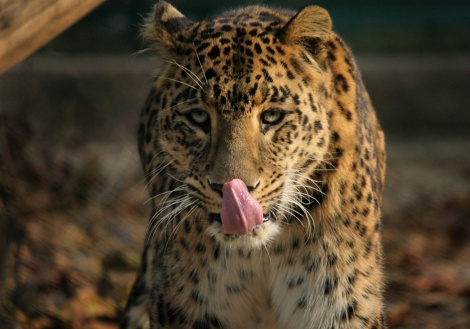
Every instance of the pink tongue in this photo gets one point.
(240, 212)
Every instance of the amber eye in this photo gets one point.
(198, 117)
(272, 117)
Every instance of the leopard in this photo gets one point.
(265, 164)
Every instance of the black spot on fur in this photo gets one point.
(341, 82)
(210, 73)
(216, 252)
(317, 126)
(214, 52)
(350, 312)
(330, 285)
(302, 304)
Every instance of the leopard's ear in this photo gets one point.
(310, 27)
(164, 25)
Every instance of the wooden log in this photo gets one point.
(26, 25)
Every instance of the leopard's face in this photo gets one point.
(234, 101)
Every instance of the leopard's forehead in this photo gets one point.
(242, 60)
(267, 20)
(234, 41)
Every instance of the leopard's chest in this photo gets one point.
(267, 288)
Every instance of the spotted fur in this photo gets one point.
(317, 170)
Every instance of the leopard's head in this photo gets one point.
(241, 97)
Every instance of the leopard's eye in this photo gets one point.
(272, 117)
(198, 117)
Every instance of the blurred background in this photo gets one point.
(72, 198)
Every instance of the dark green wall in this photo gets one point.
(368, 26)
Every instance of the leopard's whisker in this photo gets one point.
(178, 104)
(148, 176)
(193, 75)
(267, 253)
(154, 173)
(165, 204)
(182, 204)
(202, 68)
(289, 211)
(193, 206)
(179, 188)
(179, 81)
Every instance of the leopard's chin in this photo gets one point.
(256, 239)
(216, 217)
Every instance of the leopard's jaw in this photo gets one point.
(260, 237)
